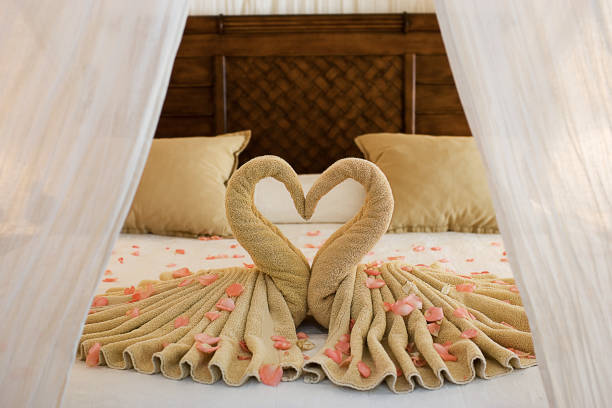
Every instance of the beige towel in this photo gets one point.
(481, 328)
(149, 334)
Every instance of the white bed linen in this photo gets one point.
(138, 257)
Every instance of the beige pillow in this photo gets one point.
(182, 189)
(439, 182)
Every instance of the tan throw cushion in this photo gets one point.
(182, 189)
(439, 182)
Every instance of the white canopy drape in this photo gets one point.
(535, 79)
(81, 88)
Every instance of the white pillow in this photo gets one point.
(339, 205)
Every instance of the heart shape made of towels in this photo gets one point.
(272, 252)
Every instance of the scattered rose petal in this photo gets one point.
(278, 338)
(179, 251)
(206, 348)
(351, 324)
(372, 272)
(120, 260)
(313, 233)
(135, 253)
(463, 313)
(414, 300)
(503, 260)
(109, 280)
(363, 369)
(93, 355)
(282, 345)
(142, 293)
(185, 282)
(246, 265)
(181, 321)
(206, 280)
(129, 291)
(444, 353)
(465, 287)
(171, 265)
(206, 338)
(270, 374)
(504, 253)
(235, 289)
(343, 347)
(507, 325)
(513, 289)
(374, 264)
(233, 246)
(373, 283)
(497, 244)
(346, 338)
(241, 357)
(236, 256)
(108, 272)
(132, 312)
(469, 260)
(212, 316)
(135, 246)
(334, 354)
(443, 260)
(302, 335)
(215, 238)
(99, 301)
(398, 371)
(226, 304)
(402, 309)
(204, 238)
(435, 248)
(469, 333)
(434, 328)
(396, 258)
(418, 248)
(181, 273)
(434, 314)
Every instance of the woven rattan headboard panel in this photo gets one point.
(308, 85)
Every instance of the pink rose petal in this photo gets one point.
(444, 353)
(465, 287)
(434, 328)
(373, 283)
(206, 280)
(206, 348)
(181, 321)
(270, 374)
(181, 273)
(226, 304)
(418, 248)
(93, 355)
(206, 338)
(99, 301)
(235, 289)
(363, 369)
(433, 314)
(469, 333)
(335, 355)
(212, 316)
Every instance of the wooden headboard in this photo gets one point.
(308, 85)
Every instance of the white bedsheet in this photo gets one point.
(138, 257)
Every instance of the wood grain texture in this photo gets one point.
(307, 85)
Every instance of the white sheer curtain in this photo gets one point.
(81, 88)
(535, 79)
(236, 7)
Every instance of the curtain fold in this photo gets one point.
(535, 80)
(238, 7)
(81, 89)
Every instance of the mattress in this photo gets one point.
(138, 257)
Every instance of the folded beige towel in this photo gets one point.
(400, 323)
(394, 322)
(231, 323)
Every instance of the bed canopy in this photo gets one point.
(81, 91)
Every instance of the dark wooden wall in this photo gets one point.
(308, 85)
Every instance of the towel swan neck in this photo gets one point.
(272, 253)
(342, 252)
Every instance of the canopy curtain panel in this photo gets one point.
(534, 80)
(81, 88)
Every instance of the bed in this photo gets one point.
(315, 83)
